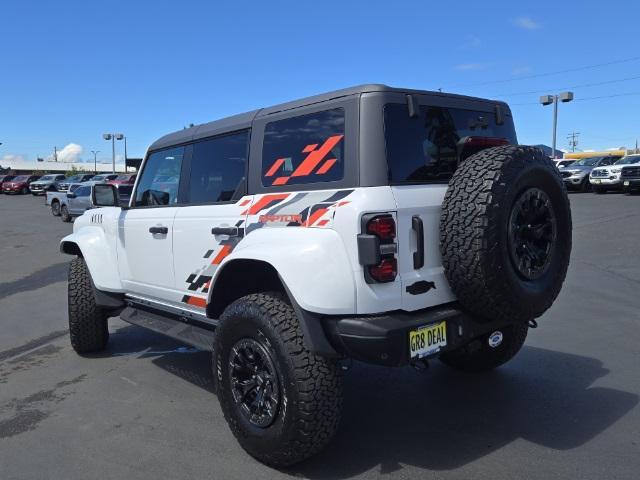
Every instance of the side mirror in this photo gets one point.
(71, 195)
(104, 195)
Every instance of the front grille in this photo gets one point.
(566, 174)
(631, 171)
(600, 173)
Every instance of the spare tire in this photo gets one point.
(505, 233)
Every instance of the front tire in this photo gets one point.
(478, 356)
(24, 191)
(88, 328)
(281, 401)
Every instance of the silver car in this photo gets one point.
(576, 175)
(40, 186)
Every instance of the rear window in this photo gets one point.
(304, 149)
(427, 148)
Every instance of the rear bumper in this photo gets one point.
(384, 339)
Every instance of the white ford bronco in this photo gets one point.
(385, 225)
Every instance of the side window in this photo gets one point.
(304, 149)
(83, 192)
(160, 178)
(218, 168)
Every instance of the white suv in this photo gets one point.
(386, 225)
(610, 177)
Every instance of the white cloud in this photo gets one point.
(527, 23)
(464, 67)
(521, 70)
(70, 153)
(13, 159)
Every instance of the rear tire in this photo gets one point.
(24, 191)
(585, 186)
(55, 208)
(505, 233)
(477, 356)
(301, 394)
(64, 214)
(88, 329)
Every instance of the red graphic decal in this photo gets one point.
(197, 302)
(244, 202)
(224, 251)
(274, 168)
(316, 216)
(264, 202)
(316, 156)
(322, 223)
(343, 203)
(280, 181)
(310, 148)
(326, 166)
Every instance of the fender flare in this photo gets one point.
(312, 263)
(99, 254)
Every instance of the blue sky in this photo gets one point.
(71, 70)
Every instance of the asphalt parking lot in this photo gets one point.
(565, 407)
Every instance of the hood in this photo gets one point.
(576, 168)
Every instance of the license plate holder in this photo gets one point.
(427, 340)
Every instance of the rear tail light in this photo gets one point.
(377, 248)
(385, 271)
(383, 226)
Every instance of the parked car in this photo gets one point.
(127, 179)
(5, 178)
(19, 184)
(345, 232)
(576, 175)
(631, 178)
(79, 178)
(46, 182)
(564, 162)
(56, 199)
(607, 178)
(103, 177)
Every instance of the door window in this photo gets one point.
(304, 149)
(158, 185)
(218, 168)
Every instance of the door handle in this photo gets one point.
(418, 255)
(231, 231)
(160, 230)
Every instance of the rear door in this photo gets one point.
(211, 223)
(422, 153)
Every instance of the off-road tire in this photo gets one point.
(64, 214)
(55, 208)
(477, 356)
(310, 385)
(88, 329)
(475, 240)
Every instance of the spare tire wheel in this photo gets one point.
(505, 233)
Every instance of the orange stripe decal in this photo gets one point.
(310, 148)
(326, 166)
(322, 223)
(280, 181)
(316, 216)
(263, 202)
(244, 202)
(316, 156)
(197, 302)
(224, 251)
(274, 168)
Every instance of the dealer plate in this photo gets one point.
(597, 181)
(427, 340)
(626, 183)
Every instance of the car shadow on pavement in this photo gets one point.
(438, 419)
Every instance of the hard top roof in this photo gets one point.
(244, 120)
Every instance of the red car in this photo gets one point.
(5, 178)
(19, 184)
(126, 179)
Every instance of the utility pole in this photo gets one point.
(95, 160)
(55, 154)
(573, 140)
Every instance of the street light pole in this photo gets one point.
(113, 137)
(548, 100)
(95, 160)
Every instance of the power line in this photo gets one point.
(584, 85)
(547, 74)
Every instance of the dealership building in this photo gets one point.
(40, 168)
